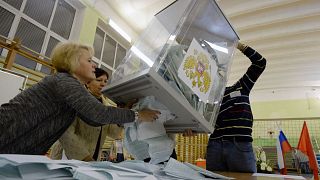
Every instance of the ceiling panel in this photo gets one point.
(287, 33)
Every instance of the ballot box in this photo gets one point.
(182, 58)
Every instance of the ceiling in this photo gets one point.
(286, 32)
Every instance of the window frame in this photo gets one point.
(99, 60)
(48, 32)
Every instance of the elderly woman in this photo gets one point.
(82, 141)
(33, 120)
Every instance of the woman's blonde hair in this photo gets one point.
(65, 56)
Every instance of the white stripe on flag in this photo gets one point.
(279, 155)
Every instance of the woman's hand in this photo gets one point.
(188, 133)
(148, 115)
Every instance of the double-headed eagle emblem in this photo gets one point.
(197, 69)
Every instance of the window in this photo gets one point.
(41, 12)
(32, 37)
(121, 53)
(52, 43)
(16, 3)
(6, 20)
(63, 19)
(108, 52)
(40, 26)
(98, 43)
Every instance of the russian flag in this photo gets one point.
(283, 147)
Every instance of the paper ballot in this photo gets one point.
(206, 172)
(40, 167)
(147, 130)
(40, 171)
(149, 139)
(21, 159)
(179, 170)
(29, 167)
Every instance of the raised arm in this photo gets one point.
(258, 64)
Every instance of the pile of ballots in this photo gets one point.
(34, 167)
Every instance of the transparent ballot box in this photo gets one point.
(182, 58)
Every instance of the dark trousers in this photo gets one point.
(120, 157)
(228, 155)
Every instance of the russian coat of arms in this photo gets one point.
(197, 70)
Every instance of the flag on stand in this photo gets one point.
(283, 147)
(305, 146)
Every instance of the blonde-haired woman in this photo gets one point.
(33, 120)
(82, 141)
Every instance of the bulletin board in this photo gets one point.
(11, 84)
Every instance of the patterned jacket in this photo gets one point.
(36, 118)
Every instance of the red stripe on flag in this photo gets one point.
(305, 146)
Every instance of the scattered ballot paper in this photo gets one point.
(13, 166)
(188, 171)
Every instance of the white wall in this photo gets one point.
(11, 85)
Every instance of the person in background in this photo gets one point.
(230, 145)
(301, 162)
(33, 120)
(82, 141)
(117, 151)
